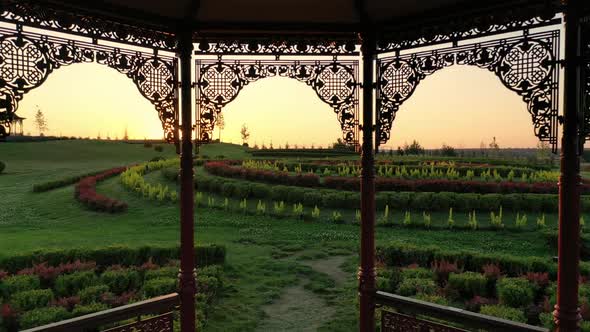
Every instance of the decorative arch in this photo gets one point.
(527, 65)
(335, 83)
(27, 59)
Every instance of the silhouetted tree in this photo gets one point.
(413, 149)
(448, 151)
(220, 124)
(245, 134)
(40, 121)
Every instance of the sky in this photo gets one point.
(461, 106)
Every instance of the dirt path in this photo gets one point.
(299, 309)
(331, 267)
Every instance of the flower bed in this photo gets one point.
(519, 289)
(43, 293)
(85, 193)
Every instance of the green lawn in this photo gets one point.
(266, 256)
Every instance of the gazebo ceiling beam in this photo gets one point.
(462, 17)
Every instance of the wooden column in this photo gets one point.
(567, 314)
(366, 273)
(187, 252)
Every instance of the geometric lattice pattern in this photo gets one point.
(161, 323)
(220, 82)
(526, 65)
(27, 59)
(396, 322)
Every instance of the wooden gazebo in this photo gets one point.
(360, 56)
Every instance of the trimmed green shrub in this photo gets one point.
(432, 298)
(421, 273)
(50, 185)
(413, 286)
(81, 310)
(92, 294)
(2, 167)
(515, 292)
(260, 190)
(70, 284)
(160, 286)
(468, 284)
(19, 283)
(108, 256)
(120, 281)
(31, 299)
(164, 272)
(389, 279)
(504, 312)
(312, 198)
(402, 254)
(42, 316)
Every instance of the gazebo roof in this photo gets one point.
(297, 16)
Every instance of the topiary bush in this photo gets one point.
(419, 272)
(159, 286)
(120, 281)
(468, 284)
(43, 316)
(70, 284)
(515, 292)
(31, 299)
(81, 310)
(165, 272)
(504, 312)
(92, 294)
(413, 286)
(19, 283)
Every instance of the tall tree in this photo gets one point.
(40, 121)
(126, 135)
(220, 124)
(245, 134)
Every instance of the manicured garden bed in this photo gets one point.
(515, 288)
(70, 283)
(85, 193)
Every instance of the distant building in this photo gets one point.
(16, 126)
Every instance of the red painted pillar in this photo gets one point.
(567, 314)
(187, 253)
(366, 273)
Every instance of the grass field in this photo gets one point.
(270, 261)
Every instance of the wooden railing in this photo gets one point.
(410, 311)
(161, 306)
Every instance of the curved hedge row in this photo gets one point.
(43, 293)
(223, 169)
(50, 185)
(85, 193)
(208, 254)
(423, 201)
(398, 254)
(439, 185)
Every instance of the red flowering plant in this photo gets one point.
(85, 193)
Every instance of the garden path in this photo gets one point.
(299, 309)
